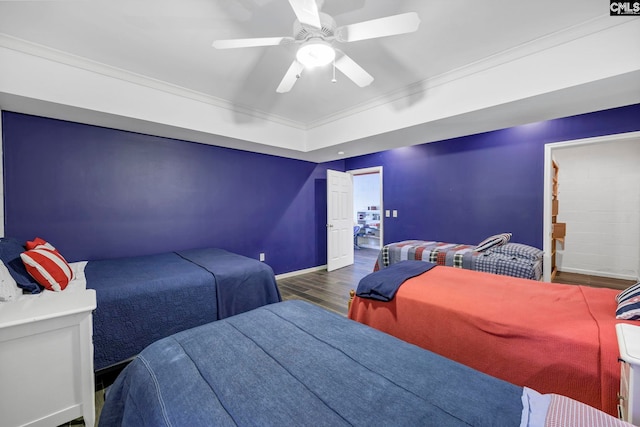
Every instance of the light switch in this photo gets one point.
(395, 213)
(387, 213)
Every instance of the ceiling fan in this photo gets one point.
(316, 31)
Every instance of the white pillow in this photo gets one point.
(9, 290)
(79, 281)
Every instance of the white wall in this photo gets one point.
(599, 194)
(366, 192)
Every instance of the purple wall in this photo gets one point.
(102, 193)
(465, 189)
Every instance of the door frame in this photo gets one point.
(548, 183)
(378, 170)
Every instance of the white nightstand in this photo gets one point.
(46, 359)
(629, 345)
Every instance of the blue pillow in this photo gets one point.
(629, 303)
(10, 250)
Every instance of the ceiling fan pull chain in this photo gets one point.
(333, 80)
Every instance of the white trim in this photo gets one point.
(83, 63)
(378, 170)
(299, 272)
(532, 47)
(546, 42)
(548, 156)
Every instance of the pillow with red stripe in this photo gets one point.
(47, 267)
(32, 244)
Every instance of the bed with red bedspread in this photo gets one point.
(551, 337)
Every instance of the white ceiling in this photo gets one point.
(169, 42)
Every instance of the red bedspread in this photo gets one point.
(553, 338)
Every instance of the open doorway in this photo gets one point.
(367, 208)
(599, 204)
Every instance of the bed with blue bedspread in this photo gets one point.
(143, 299)
(296, 364)
(510, 259)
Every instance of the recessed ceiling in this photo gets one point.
(171, 42)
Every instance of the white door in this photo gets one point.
(339, 220)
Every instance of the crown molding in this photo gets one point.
(532, 47)
(83, 63)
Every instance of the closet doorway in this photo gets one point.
(367, 208)
(599, 201)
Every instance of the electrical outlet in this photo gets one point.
(387, 213)
(395, 213)
(261, 256)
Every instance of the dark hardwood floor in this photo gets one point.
(330, 289)
(594, 281)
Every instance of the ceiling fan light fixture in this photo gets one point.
(315, 53)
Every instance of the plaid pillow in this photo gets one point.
(518, 250)
(629, 303)
(490, 242)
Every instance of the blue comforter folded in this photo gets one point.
(382, 285)
(142, 299)
(242, 284)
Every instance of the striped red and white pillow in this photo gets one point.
(45, 264)
(32, 244)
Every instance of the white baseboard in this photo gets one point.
(598, 273)
(299, 272)
(376, 247)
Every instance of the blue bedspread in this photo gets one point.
(295, 364)
(142, 299)
(382, 285)
(242, 284)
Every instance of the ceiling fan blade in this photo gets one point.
(307, 12)
(263, 41)
(382, 27)
(290, 77)
(352, 70)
